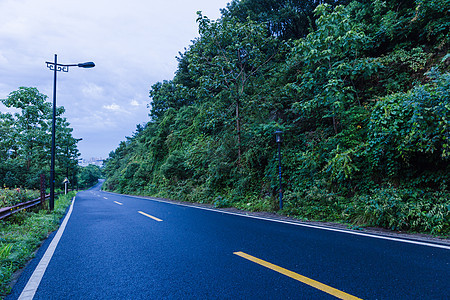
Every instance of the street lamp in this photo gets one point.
(54, 66)
(279, 140)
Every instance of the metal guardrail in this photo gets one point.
(8, 211)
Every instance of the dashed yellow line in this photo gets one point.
(118, 203)
(152, 217)
(315, 284)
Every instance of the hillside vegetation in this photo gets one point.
(360, 89)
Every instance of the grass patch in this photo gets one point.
(21, 234)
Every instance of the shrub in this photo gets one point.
(175, 167)
(403, 209)
(22, 234)
(11, 197)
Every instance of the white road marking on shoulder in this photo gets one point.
(35, 279)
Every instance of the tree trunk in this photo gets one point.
(238, 128)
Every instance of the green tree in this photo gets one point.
(288, 19)
(167, 95)
(226, 59)
(327, 63)
(89, 176)
(25, 138)
(32, 124)
(8, 135)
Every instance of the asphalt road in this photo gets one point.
(123, 247)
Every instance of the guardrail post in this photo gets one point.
(43, 191)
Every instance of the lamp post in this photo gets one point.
(55, 67)
(279, 140)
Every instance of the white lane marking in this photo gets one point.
(35, 279)
(105, 198)
(118, 203)
(381, 237)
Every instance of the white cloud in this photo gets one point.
(113, 107)
(134, 103)
(133, 45)
(91, 90)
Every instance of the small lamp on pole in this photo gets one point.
(279, 140)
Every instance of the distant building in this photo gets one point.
(91, 161)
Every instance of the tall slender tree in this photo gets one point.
(227, 57)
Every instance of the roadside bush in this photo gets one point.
(11, 197)
(22, 234)
(256, 203)
(315, 203)
(403, 209)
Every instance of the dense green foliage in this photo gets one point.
(21, 235)
(11, 197)
(89, 176)
(360, 90)
(25, 141)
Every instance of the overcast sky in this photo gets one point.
(134, 44)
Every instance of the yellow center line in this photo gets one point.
(320, 286)
(152, 217)
(118, 203)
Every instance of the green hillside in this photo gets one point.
(360, 89)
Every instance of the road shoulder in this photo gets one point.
(418, 237)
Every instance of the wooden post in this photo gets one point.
(42, 190)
